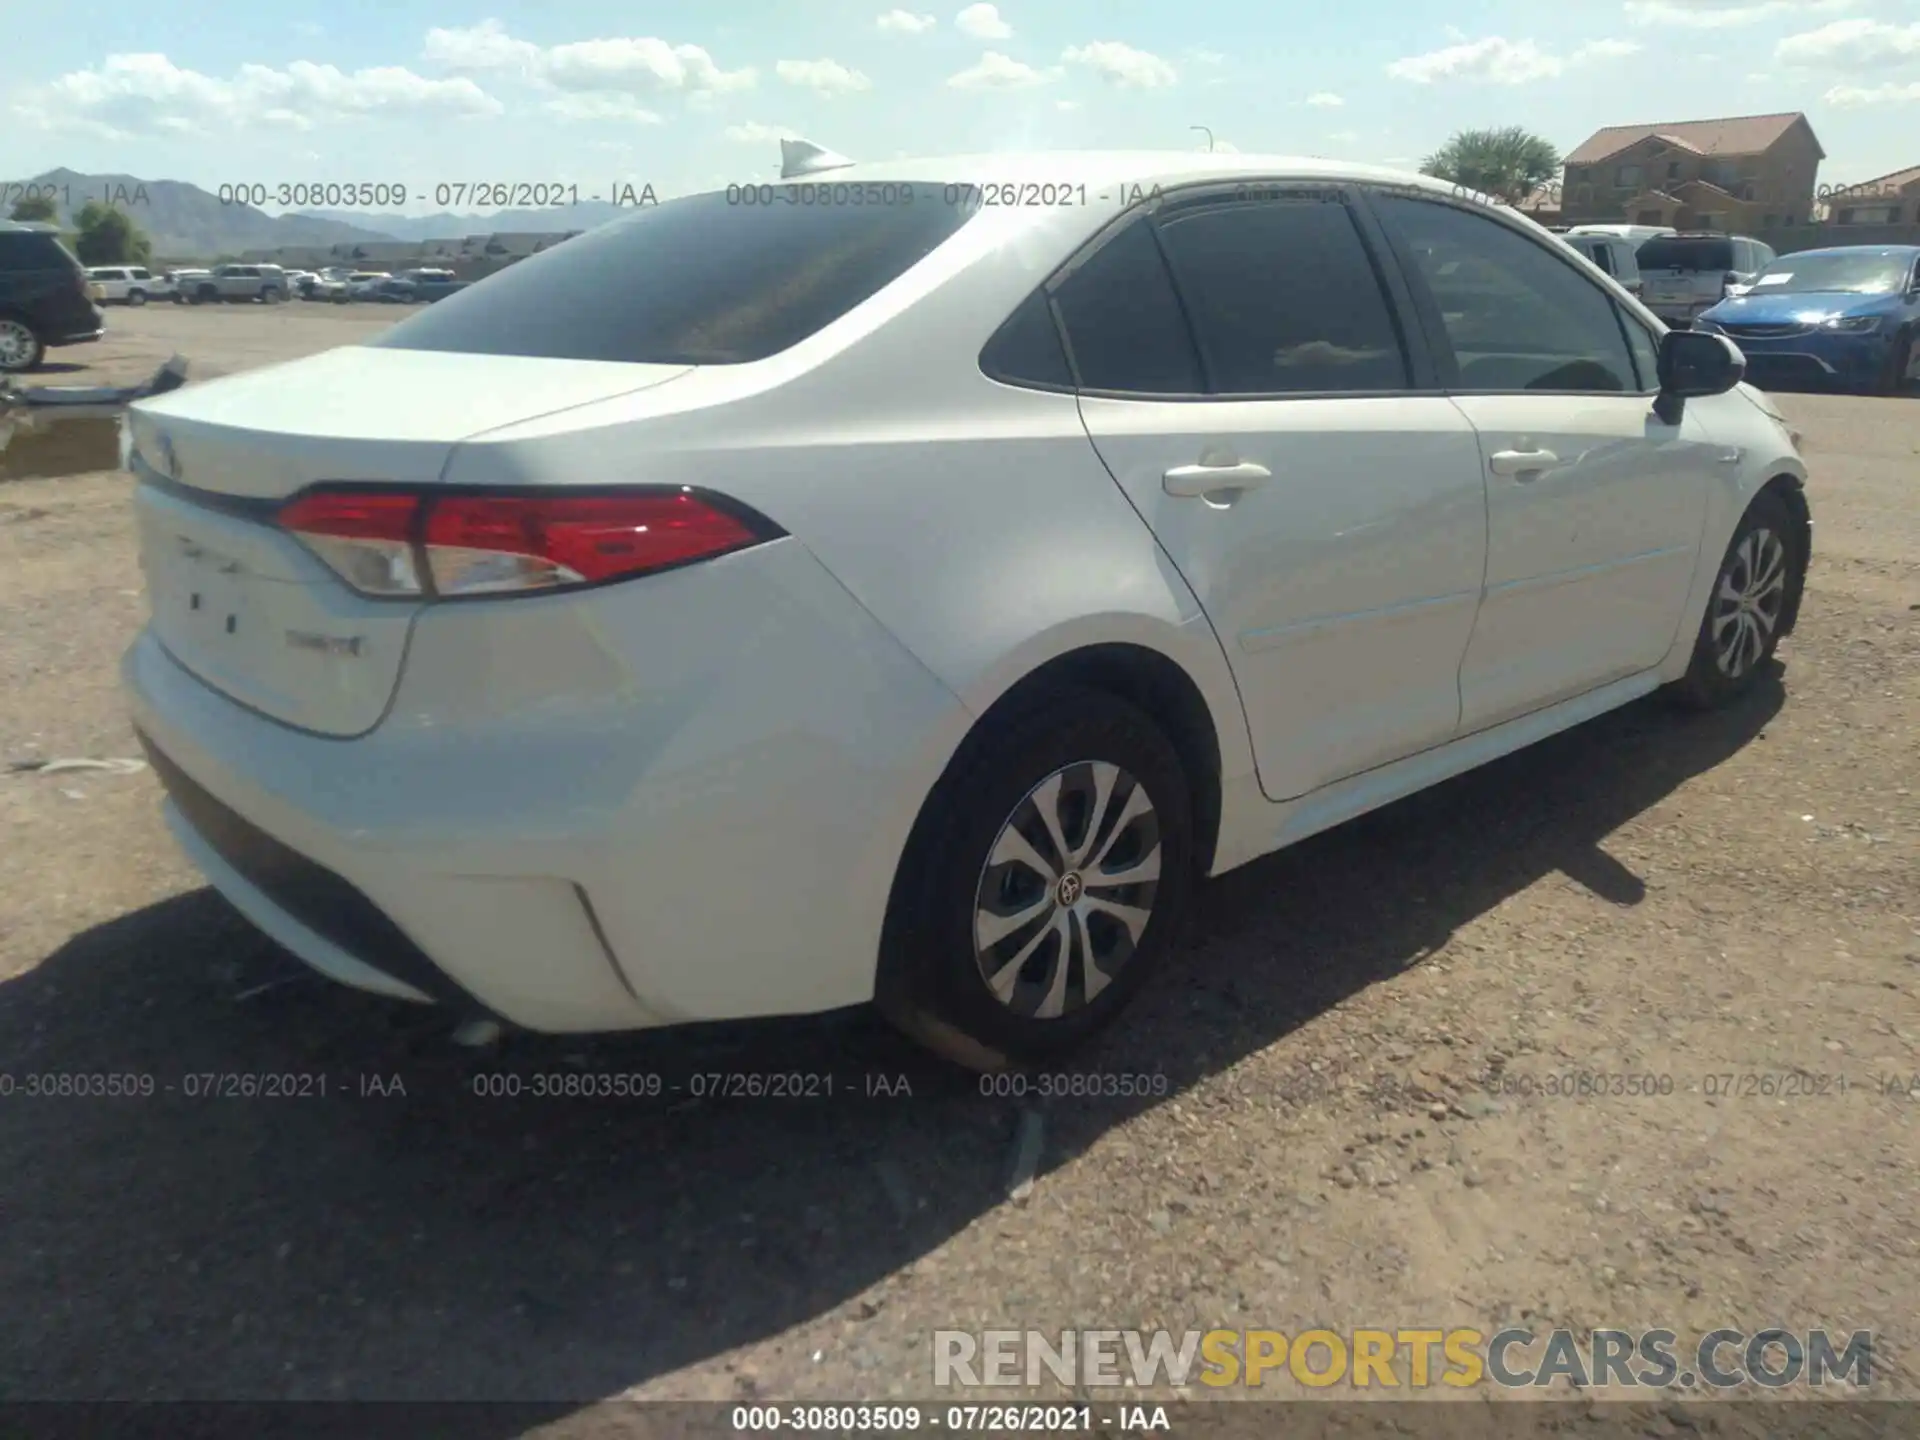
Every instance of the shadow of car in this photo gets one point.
(414, 1232)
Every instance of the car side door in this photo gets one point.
(1595, 505)
(1247, 375)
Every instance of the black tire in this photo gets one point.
(931, 980)
(136, 297)
(24, 347)
(1895, 381)
(1766, 532)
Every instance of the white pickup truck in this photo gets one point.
(130, 284)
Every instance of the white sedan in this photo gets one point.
(912, 601)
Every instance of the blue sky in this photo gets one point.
(684, 96)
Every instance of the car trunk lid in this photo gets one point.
(244, 605)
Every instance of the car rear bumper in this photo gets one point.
(78, 337)
(700, 837)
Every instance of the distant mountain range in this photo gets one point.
(185, 222)
(448, 226)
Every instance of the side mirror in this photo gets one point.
(1693, 362)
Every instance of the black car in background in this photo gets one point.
(46, 298)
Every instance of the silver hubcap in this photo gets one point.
(16, 343)
(1746, 607)
(1067, 889)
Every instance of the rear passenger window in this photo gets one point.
(1026, 350)
(1284, 298)
(1123, 322)
(1517, 316)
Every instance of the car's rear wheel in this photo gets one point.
(20, 348)
(1741, 628)
(1042, 884)
(136, 297)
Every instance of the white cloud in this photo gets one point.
(999, 72)
(1856, 97)
(486, 46)
(825, 77)
(1343, 137)
(1325, 99)
(591, 106)
(905, 22)
(1851, 45)
(1499, 61)
(628, 65)
(1202, 56)
(645, 66)
(1122, 64)
(1758, 77)
(754, 133)
(982, 22)
(1723, 14)
(1066, 105)
(127, 94)
(1604, 50)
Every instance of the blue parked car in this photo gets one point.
(1842, 318)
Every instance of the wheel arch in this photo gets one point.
(1137, 673)
(1791, 491)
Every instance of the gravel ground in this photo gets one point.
(1683, 898)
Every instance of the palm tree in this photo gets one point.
(1510, 164)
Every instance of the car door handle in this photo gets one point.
(1194, 480)
(1521, 462)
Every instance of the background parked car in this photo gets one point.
(327, 286)
(130, 284)
(365, 284)
(1614, 254)
(1685, 274)
(185, 282)
(1844, 317)
(1633, 234)
(233, 283)
(45, 296)
(428, 286)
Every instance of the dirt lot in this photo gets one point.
(1695, 900)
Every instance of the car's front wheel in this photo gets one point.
(20, 348)
(136, 297)
(1741, 628)
(1902, 375)
(1042, 883)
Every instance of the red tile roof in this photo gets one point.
(1732, 135)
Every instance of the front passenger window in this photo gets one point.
(1516, 316)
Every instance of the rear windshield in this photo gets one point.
(1668, 252)
(23, 248)
(705, 280)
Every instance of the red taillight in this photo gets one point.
(391, 543)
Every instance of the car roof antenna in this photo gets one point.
(803, 157)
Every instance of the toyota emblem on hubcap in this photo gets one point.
(1068, 891)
